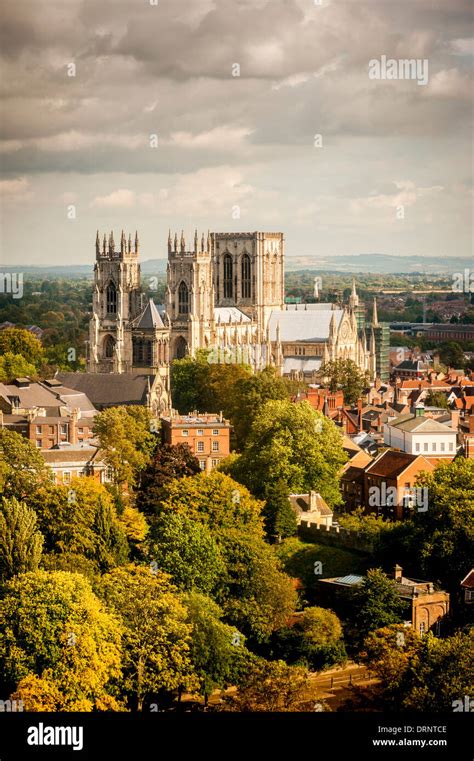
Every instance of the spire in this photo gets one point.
(169, 241)
(137, 243)
(111, 243)
(104, 245)
(123, 243)
(208, 240)
(375, 319)
(202, 243)
(182, 242)
(333, 327)
(97, 244)
(195, 241)
(130, 243)
(176, 242)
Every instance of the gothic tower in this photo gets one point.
(249, 273)
(189, 295)
(116, 301)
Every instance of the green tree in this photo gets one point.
(80, 518)
(170, 461)
(419, 674)
(187, 551)
(15, 366)
(436, 399)
(280, 518)
(271, 686)
(157, 636)
(22, 466)
(256, 596)
(21, 341)
(216, 500)
(451, 354)
(447, 526)
(376, 604)
(20, 541)
(295, 444)
(344, 374)
(249, 395)
(126, 440)
(218, 650)
(53, 626)
(188, 381)
(315, 640)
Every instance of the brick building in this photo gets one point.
(207, 436)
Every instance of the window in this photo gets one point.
(228, 274)
(109, 347)
(80, 431)
(422, 628)
(202, 464)
(215, 446)
(66, 477)
(183, 298)
(142, 352)
(64, 429)
(434, 447)
(425, 446)
(38, 430)
(417, 447)
(39, 443)
(246, 277)
(111, 299)
(200, 446)
(215, 462)
(185, 432)
(451, 446)
(215, 432)
(200, 432)
(443, 446)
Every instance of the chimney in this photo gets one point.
(313, 501)
(455, 419)
(359, 414)
(73, 426)
(397, 573)
(471, 423)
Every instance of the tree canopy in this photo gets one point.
(20, 541)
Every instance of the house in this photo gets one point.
(467, 587)
(69, 461)
(466, 433)
(207, 436)
(47, 413)
(352, 486)
(311, 509)
(115, 389)
(411, 369)
(389, 484)
(417, 433)
(427, 606)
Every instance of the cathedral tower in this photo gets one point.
(116, 300)
(189, 294)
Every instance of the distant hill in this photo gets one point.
(381, 264)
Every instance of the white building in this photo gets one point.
(417, 434)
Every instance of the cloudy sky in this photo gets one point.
(206, 113)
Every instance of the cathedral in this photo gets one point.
(225, 294)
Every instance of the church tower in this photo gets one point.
(189, 294)
(116, 301)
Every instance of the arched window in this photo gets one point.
(183, 298)
(228, 290)
(180, 348)
(142, 352)
(111, 297)
(246, 277)
(109, 346)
